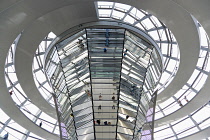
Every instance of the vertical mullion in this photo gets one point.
(88, 47)
(118, 94)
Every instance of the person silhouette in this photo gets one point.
(105, 50)
(6, 136)
(100, 97)
(113, 98)
(40, 124)
(99, 107)
(98, 122)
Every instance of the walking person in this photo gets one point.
(99, 107)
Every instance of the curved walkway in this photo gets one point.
(9, 31)
(197, 102)
(203, 17)
(10, 27)
(26, 48)
(183, 27)
(175, 18)
(199, 135)
(27, 45)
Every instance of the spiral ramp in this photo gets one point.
(24, 24)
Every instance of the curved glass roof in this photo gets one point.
(150, 24)
(20, 98)
(196, 121)
(198, 78)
